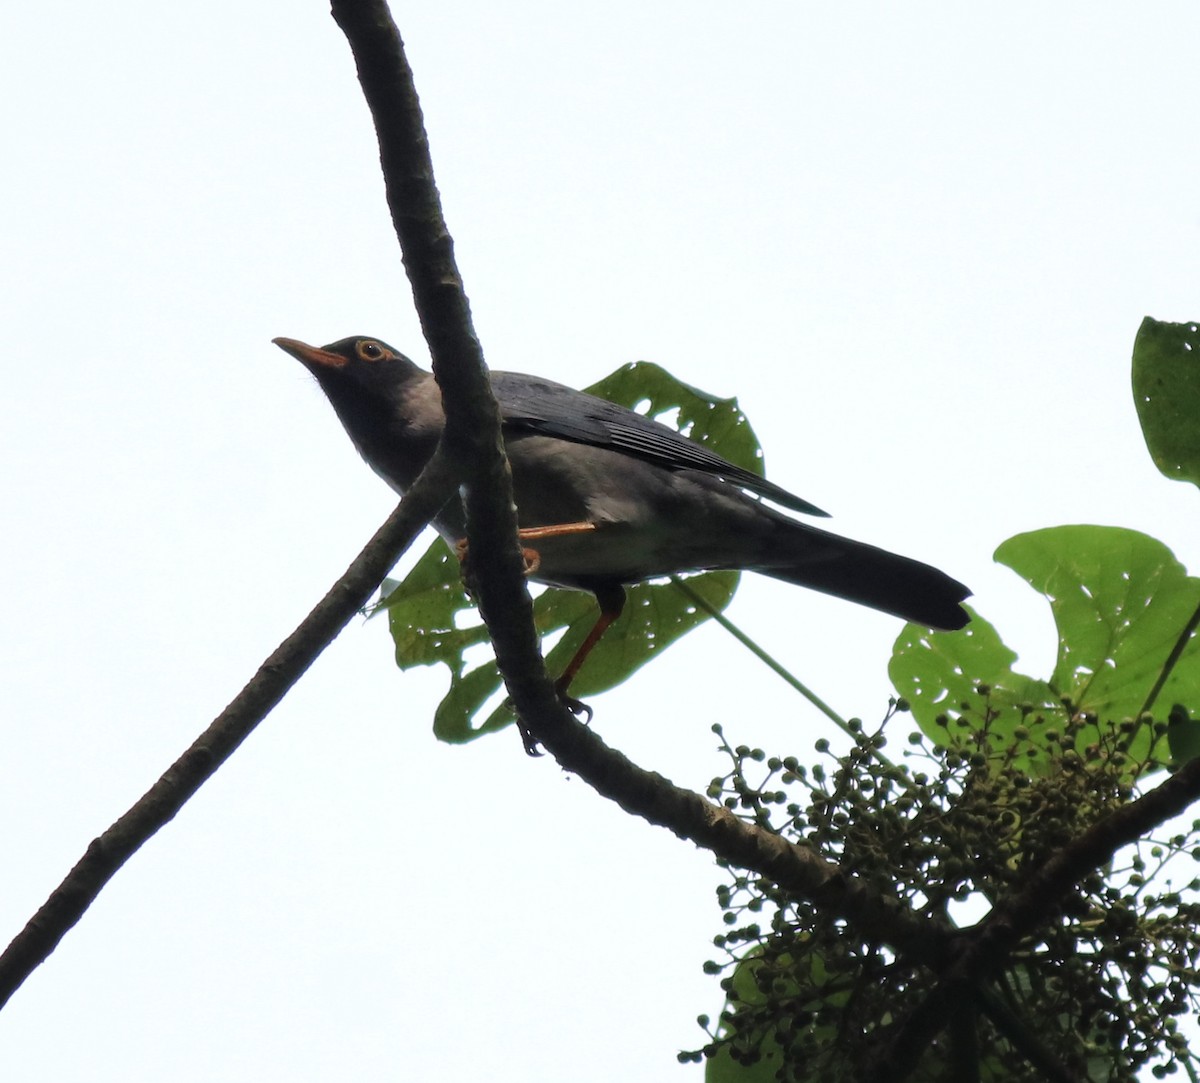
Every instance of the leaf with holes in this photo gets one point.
(432, 620)
(1120, 601)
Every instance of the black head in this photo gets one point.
(369, 362)
(370, 385)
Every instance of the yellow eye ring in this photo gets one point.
(370, 350)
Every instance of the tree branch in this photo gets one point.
(472, 418)
(473, 432)
(473, 429)
(106, 854)
(989, 943)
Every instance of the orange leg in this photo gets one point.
(558, 530)
(532, 533)
(612, 600)
(610, 596)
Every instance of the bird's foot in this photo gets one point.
(528, 740)
(576, 706)
(531, 557)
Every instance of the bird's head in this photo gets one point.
(359, 375)
(371, 365)
(374, 388)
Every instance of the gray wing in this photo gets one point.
(532, 404)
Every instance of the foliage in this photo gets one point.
(1004, 773)
(1099, 985)
(1120, 600)
(1166, 391)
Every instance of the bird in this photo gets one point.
(607, 497)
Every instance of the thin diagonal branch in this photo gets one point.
(106, 854)
(701, 602)
(1185, 637)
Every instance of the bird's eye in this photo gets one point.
(371, 351)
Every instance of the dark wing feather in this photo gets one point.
(533, 404)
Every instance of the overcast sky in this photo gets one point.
(916, 242)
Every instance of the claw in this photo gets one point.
(528, 740)
(575, 706)
(578, 707)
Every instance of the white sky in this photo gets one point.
(916, 241)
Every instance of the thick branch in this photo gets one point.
(68, 902)
(473, 425)
(472, 417)
(473, 431)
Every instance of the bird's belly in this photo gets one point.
(610, 553)
(647, 520)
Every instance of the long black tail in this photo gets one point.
(870, 576)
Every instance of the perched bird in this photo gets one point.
(606, 497)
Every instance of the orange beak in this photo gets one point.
(312, 357)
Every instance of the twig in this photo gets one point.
(106, 854)
(1185, 637)
(764, 657)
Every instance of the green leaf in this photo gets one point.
(423, 611)
(1166, 389)
(1183, 735)
(1120, 600)
(941, 674)
(432, 620)
(655, 615)
(718, 424)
